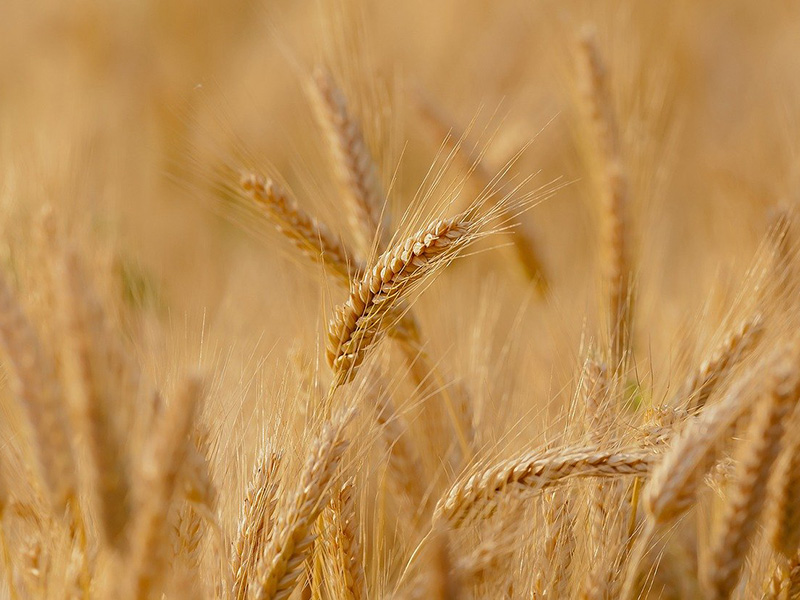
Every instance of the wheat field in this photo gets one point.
(353, 299)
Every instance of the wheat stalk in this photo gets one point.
(307, 234)
(735, 347)
(525, 247)
(342, 532)
(783, 518)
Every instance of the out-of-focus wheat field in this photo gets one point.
(170, 424)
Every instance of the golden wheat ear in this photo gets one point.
(160, 473)
(39, 394)
(746, 498)
(279, 570)
(611, 178)
(529, 474)
(307, 234)
(256, 523)
(355, 167)
(88, 357)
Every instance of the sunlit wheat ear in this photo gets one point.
(94, 391)
(783, 516)
(736, 346)
(160, 473)
(364, 196)
(524, 246)
(358, 323)
(613, 191)
(342, 538)
(674, 482)
(256, 522)
(281, 565)
(310, 236)
(527, 475)
(38, 392)
(315, 242)
(748, 491)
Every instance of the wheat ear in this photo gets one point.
(599, 114)
(353, 162)
(37, 390)
(404, 466)
(310, 236)
(533, 472)
(86, 359)
(281, 565)
(746, 498)
(357, 323)
(675, 480)
(341, 529)
(736, 346)
(255, 523)
(160, 475)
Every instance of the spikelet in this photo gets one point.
(533, 472)
(612, 180)
(255, 523)
(354, 164)
(594, 392)
(86, 356)
(278, 571)
(310, 236)
(747, 496)
(39, 394)
(160, 475)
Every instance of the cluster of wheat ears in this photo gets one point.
(113, 489)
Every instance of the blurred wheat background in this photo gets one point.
(345, 299)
